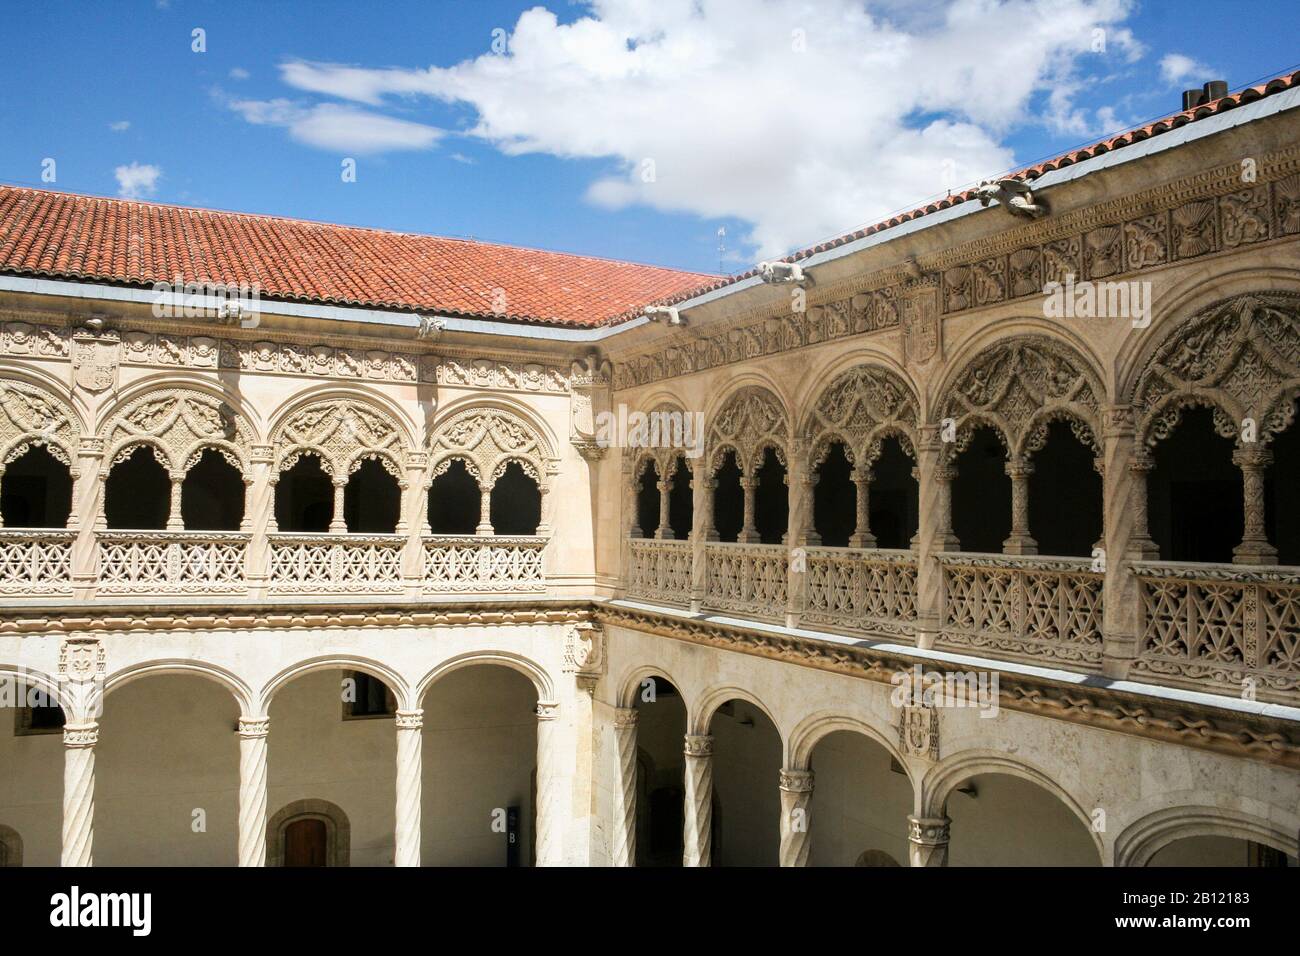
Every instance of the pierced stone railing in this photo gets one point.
(659, 571)
(170, 562)
(750, 579)
(36, 563)
(868, 590)
(1221, 627)
(471, 563)
(337, 563)
(1024, 607)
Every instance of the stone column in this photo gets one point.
(337, 523)
(1020, 542)
(548, 827)
(748, 533)
(927, 841)
(1124, 539)
(800, 532)
(406, 845)
(702, 530)
(1253, 460)
(259, 514)
(665, 530)
(1140, 547)
(174, 520)
(625, 719)
(246, 521)
(862, 536)
(79, 741)
(86, 517)
(631, 488)
(252, 790)
(934, 532)
(698, 830)
(796, 793)
(484, 526)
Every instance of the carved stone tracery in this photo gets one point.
(178, 425)
(31, 417)
(752, 421)
(342, 433)
(860, 408)
(487, 440)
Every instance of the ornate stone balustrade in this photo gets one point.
(750, 579)
(337, 563)
(474, 563)
(1233, 628)
(861, 589)
(36, 563)
(168, 562)
(659, 570)
(1024, 607)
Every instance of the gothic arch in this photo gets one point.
(334, 662)
(238, 688)
(33, 416)
(542, 682)
(1017, 386)
(177, 423)
(751, 420)
(1239, 356)
(487, 438)
(859, 408)
(1139, 842)
(343, 429)
(812, 729)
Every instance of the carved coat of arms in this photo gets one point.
(918, 315)
(95, 358)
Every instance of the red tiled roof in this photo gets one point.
(1175, 120)
(67, 236)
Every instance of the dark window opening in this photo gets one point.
(1281, 502)
(771, 500)
(304, 497)
(1064, 495)
(212, 494)
(516, 502)
(1195, 493)
(835, 499)
(681, 506)
(454, 501)
(366, 696)
(372, 500)
(894, 498)
(647, 499)
(137, 494)
(728, 499)
(38, 719)
(981, 495)
(36, 491)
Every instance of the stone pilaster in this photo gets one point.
(259, 514)
(253, 733)
(79, 741)
(800, 533)
(87, 512)
(1020, 541)
(625, 723)
(1253, 460)
(1124, 538)
(548, 802)
(702, 531)
(406, 845)
(934, 532)
(927, 841)
(698, 830)
(796, 794)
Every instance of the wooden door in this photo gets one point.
(305, 843)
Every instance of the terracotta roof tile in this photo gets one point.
(67, 236)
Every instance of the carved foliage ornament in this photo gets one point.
(343, 433)
(860, 408)
(31, 417)
(751, 421)
(1021, 385)
(177, 425)
(1240, 357)
(487, 440)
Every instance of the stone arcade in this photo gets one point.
(358, 583)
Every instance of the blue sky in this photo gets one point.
(633, 130)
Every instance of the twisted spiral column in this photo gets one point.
(252, 790)
(796, 793)
(409, 742)
(1124, 530)
(79, 741)
(625, 719)
(698, 831)
(927, 840)
(933, 533)
(548, 835)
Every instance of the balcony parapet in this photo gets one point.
(171, 562)
(659, 571)
(867, 589)
(336, 563)
(36, 562)
(462, 563)
(750, 579)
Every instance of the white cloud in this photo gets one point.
(137, 180)
(876, 114)
(338, 127)
(239, 73)
(1175, 68)
(120, 126)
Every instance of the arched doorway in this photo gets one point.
(860, 802)
(746, 777)
(1004, 820)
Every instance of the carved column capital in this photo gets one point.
(548, 710)
(409, 719)
(625, 717)
(81, 735)
(251, 727)
(796, 781)
(698, 745)
(927, 840)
